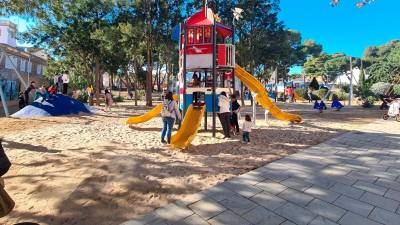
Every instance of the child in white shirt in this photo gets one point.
(246, 128)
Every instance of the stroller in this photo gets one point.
(393, 112)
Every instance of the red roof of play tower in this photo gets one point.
(207, 19)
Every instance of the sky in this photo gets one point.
(344, 28)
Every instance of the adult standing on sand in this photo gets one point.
(169, 114)
(65, 79)
(28, 91)
(224, 113)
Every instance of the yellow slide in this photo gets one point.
(149, 115)
(189, 128)
(262, 98)
(146, 117)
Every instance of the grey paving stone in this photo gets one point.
(385, 175)
(320, 181)
(296, 214)
(325, 209)
(322, 193)
(275, 175)
(347, 190)
(192, 220)
(238, 204)
(322, 221)
(261, 216)
(296, 183)
(218, 193)
(385, 217)
(268, 200)
(366, 186)
(207, 208)
(271, 186)
(388, 184)
(335, 170)
(228, 217)
(173, 212)
(145, 219)
(249, 178)
(352, 205)
(343, 179)
(242, 189)
(395, 195)
(362, 176)
(287, 222)
(353, 219)
(379, 201)
(296, 197)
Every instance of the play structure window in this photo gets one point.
(191, 36)
(207, 35)
(199, 35)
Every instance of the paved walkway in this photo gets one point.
(350, 180)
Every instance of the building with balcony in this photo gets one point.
(30, 63)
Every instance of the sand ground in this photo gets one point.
(93, 169)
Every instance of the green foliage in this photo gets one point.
(83, 97)
(300, 92)
(383, 62)
(321, 93)
(369, 102)
(118, 98)
(345, 88)
(342, 96)
(380, 88)
(396, 89)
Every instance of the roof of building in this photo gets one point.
(24, 54)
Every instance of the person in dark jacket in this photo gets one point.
(21, 100)
(28, 90)
(235, 107)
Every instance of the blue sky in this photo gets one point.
(344, 28)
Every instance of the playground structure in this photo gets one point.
(207, 67)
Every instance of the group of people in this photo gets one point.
(228, 116)
(43, 92)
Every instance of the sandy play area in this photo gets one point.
(94, 170)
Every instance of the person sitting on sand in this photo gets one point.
(319, 106)
(170, 112)
(336, 105)
(109, 100)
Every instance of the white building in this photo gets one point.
(8, 32)
(345, 78)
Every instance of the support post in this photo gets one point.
(214, 73)
(3, 100)
(233, 49)
(205, 120)
(184, 67)
(351, 81)
(254, 109)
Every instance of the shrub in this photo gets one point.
(368, 102)
(396, 89)
(118, 98)
(380, 88)
(321, 93)
(300, 92)
(342, 96)
(83, 97)
(345, 88)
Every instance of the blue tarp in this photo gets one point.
(57, 105)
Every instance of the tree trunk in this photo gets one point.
(149, 76)
(97, 82)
